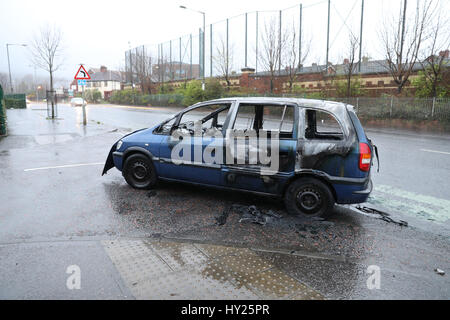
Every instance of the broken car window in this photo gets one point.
(211, 117)
(166, 126)
(322, 125)
(266, 117)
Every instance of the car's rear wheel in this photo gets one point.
(139, 172)
(309, 197)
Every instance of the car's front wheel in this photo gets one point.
(139, 172)
(309, 197)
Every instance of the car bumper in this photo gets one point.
(353, 193)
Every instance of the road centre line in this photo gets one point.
(66, 166)
(435, 151)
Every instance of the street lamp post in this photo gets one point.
(9, 65)
(203, 43)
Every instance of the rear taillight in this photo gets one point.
(365, 156)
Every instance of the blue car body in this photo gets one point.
(335, 161)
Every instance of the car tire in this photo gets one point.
(309, 197)
(139, 172)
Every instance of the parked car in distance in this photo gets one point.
(77, 102)
(324, 156)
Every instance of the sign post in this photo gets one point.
(81, 76)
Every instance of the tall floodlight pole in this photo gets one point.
(403, 30)
(211, 50)
(256, 49)
(170, 59)
(203, 42)
(328, 35)
(246, 19)
(190, 56)
(300, 37)
(227, 54)
(360, 36)
(180, 58)
(279, 47)
(9, 65)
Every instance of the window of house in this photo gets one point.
(105, 83)
(322, 125)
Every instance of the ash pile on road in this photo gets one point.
(248, 214)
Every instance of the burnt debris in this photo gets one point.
(382, 215)
(248, 214)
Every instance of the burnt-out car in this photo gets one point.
(310, 153)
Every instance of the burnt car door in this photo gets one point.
(265, 131)
(194, 150)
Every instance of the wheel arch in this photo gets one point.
(314, 175)
(137, 150)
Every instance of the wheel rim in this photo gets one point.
(309, 200)
(140, 171)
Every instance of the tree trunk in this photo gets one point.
(52, 94)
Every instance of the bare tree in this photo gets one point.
(435, 62)
(223, 61)
(293, 57)
(273, 46)
(142, 68)
(350, 62)
(402, 41)
(46, 51)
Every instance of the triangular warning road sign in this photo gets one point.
(82, 74)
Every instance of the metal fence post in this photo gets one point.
(432, 108)
(392, 103)
(357, 104)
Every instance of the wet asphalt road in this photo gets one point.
(55, 217)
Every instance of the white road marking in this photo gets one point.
(66, 166)
(435, 151)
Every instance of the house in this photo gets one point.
(103, 80)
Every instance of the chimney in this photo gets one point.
(444, 54)
(103, 69)
(346, 61)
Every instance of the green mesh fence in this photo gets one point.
(15, 101)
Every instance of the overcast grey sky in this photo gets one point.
(97, 32)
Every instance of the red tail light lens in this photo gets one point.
(365, 155)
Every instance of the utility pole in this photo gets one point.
(9, 69)
(361, 36)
